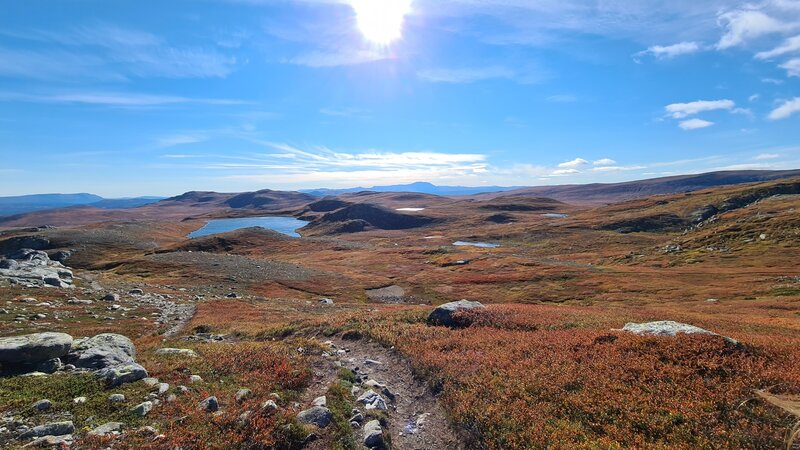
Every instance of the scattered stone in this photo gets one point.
(150, 382)
(136, 292)
(373, 434)
(117, 376)
(106, 429)
(243, 394)
(326, 301)
(177, 351)
(142, 408)
(50, 429)
(113, 298)
(446, 314)
(163, 388)
(182, 389)
(317, 415)
(320, 401)
(79, 400)
(195, 378)
(116, 398)
(210, 404)
(51, 441)
(269, 406)
(43, 405)
(372, 400)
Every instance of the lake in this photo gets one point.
(284, 225)
(476, 244)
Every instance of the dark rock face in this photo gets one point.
(327, 205)
(500, 218)
(362, 216)
(445, 314)
(12, 245)
(657, 222)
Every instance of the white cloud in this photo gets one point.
(785, 110)
(790, 45)
(575, 163)
(604, 162)
(671, 51)
(743, 25)
(754, 98)
(695, 124)
(766, 156)
(772, 81)
(564, 172)
(792, 67)
(179, 139)
(682, 110)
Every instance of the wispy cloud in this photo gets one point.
(573, 164)
(670, 51)
(785, 110)
(792, 67)
(180, 139)
(476, 74)
(742, 25)
(336, 58)
(766, 156)
(682, 110)
(604, 162)
(694, 124)
(121, 99)
(108, 52)
(790, 45)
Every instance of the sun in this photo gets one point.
(381, 21)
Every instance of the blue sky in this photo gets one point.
(138, 98)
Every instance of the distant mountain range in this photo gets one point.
(37, 202)
(419, 187)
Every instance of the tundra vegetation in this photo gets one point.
(281, 332)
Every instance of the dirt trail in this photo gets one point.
(416, 419)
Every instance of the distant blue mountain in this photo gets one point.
(28, 203)
(419, 187)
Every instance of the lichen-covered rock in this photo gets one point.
(49, 429)
(102, 351)
(373, 434)
(317, 415)
(34, 348)
(445, 314)
(128, 373)
(177, 351)
(669, 328)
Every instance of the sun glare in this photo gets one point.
(381, 21)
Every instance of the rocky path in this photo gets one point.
(416, 420)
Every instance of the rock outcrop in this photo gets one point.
(671, 329)
(33, 268)
(38, 352)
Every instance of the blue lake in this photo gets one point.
(476, 244)
(284, 225)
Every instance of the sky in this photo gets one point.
(131, 98)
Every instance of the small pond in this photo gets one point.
(285, 225)
(475, 244)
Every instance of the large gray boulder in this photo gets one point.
(318, 415)
(102, 351)
(34, 348)
(669, 328)
(50, 429)
(445, 314)
(127, 373)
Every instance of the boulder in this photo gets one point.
(49, 429)
(445, 314)
(128, 373)
(209, 405)
(106, 428)
(142, 408)
(372, 400)
(317, 415)
(102, 351)
(243, 394)
(34, 348)
(373, 434)
(43, 405)
(669, 328)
